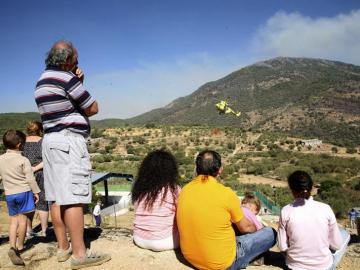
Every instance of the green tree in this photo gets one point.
(231, 145)
(350, 150)
(2, 149)
(97, 133)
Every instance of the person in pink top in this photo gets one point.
(308, 231)
(251, 206)
(154, 194)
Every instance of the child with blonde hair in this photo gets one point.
(251, 206)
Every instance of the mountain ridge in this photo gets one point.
(287, 94)
(299, 96)
(246, 84)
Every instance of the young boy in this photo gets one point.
(21, 190)
(96, 213)
(251, 206)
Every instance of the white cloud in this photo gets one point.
(129, 92)
(292, 34)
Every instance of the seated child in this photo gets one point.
(251, 206)
(20, 188)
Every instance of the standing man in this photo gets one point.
(65, 106)
(206, 210)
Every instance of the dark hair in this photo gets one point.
(59, 55)
(301, 184)
(34, 128)
(158, 170)
(208, 162)
(12, 138)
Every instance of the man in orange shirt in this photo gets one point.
(205, 213)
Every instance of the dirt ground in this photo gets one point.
(125, 255)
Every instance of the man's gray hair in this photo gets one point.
(59, 55)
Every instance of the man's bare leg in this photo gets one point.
(59, 226)
(74, 220)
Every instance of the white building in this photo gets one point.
(312, 142)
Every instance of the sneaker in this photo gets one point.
(14, 256)
(91, 258)
(258, 262)
(30, 234)
(26, 247)
(41, 234)
(63, 255)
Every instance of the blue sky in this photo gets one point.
(139, 55)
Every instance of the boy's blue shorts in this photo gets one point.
(20, 203)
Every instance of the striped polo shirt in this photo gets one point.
(61, 99)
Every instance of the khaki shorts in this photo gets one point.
(67, 168)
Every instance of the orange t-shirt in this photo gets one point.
(205, 212)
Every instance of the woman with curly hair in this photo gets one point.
(308, 231)
(154, 194)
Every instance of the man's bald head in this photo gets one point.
(62, 55)
(62, 44)
(208, 162)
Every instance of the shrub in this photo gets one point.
(139, 140)
(150, 125)
(97, 133)
(182, 159)
(327, 185)
(114, 140)
(232, 182)
(350, 150)
(2, 149)
(357, 186)
(231, 145)
(259, 147)
(91, 149)
(109, 148)
(130, 149)
(98, 158)
(107, 158)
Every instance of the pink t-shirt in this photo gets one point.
(251, 217)
(307, 231)
(159, 222)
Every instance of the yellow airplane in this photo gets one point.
(223, 108)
